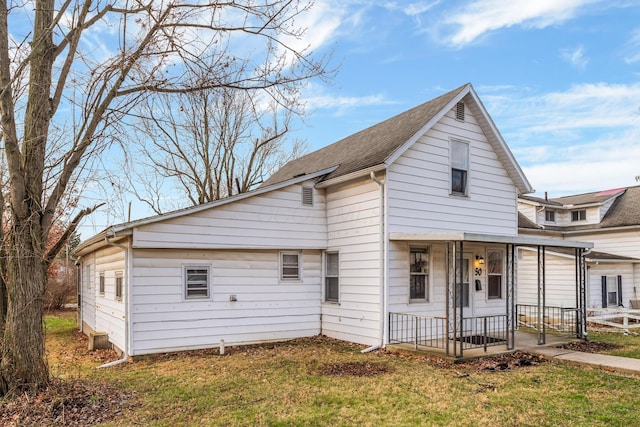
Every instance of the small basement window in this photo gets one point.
(196, 280)
(460, 111)
(307, 196)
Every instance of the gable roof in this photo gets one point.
(382, 143)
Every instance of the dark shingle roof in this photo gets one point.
(588, 198)
(369, 147)
(524, 222)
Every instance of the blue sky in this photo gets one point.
(559, 77)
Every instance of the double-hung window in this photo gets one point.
(419, 274)
(579, 215)
(459, 167)
(196, 281)
(494, 274)
(611, 291)
(550, 216)
(101, 284)
(290, 266)
(462, 283)
(119, 285)
(332, 277)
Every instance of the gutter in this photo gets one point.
(383, 282)
(127, 304)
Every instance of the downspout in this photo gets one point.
(127, 303)
(383, 282)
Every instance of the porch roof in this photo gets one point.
(488, 238)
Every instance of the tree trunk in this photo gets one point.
(23, 353)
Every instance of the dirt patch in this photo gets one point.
(355, 369)
(69, 403)
(590, 346)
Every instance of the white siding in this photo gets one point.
(560, 283)
(594, 296)
(530, 211)
(88, 310)
(624, 243)
(110, 313)
(274, 220)
(353, 217)
(419, 185)
(265, 309)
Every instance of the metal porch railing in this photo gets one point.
(559, 319)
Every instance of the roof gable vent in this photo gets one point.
(460, 111)
(307, 196)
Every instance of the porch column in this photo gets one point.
(542, 332)
(581, 294)
(510, 295)
(460, 297)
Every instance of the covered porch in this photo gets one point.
(459, 328)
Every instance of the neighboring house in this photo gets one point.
(611, 220)
(403, 232)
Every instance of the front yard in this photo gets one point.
(320, 381)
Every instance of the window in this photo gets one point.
(289, 266)
(196, 279)
(101, 283)
(459, 167)
(331, 277)
(119, 286)
(460, 111)
(550, 216)
(462, 288)
(419, 273)
(611, 291)
(494, 274)
(307, 196)
(580, 215)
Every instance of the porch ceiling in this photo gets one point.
(488, 238)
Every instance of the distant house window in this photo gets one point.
(331, 277)
(494, 274)
(611, 291)
(307, 196)
(290, 266)
(419, 274)
(101, 283)
(460, 111)
(119, 286)
(459, 167)
(580, 215)
(196, 281)
(550, 216)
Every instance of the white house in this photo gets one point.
(404, 232)
(611, 220)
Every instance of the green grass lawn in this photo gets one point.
(295, 383)
(630, 344)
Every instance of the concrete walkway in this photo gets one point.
(603, 361)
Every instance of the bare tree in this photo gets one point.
(209, 145)
(73, 81)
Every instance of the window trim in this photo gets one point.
(281, 267)
(578, 215)
(331, 276)
(427, 287)
(501, 274)
(464, 168)
(185, 283)
(119, 286)
(549, 215)
(101, 283)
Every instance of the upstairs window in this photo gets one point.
(419, 274)
(196, 282)
(550, 216)
(290, 266)
(331, 277)
(579, 215)
(459, 167)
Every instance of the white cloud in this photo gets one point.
(483, 16)
(316, 98)
(632, 47)
(575, 57)
(583, 139)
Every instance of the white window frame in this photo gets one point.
(101, 283)
(612, 289)
(119, 285)
(331, 275)
(463, 289)
(549, 215)
(491, 274)
(185, 282)
(461, 165)
(424, 271)
(289, 278)
(578, 215)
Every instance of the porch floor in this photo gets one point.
(523, 340)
